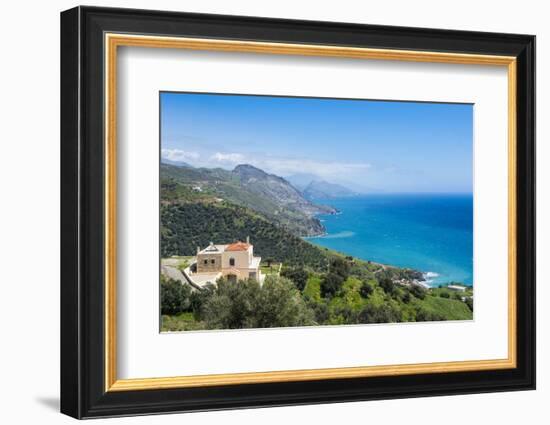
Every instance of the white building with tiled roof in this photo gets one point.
(233, 261)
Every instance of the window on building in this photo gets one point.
(205, 262)
(231, 261)
(213, 261)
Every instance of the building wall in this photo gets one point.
(208, 263)
(242, 273)
(242, 258)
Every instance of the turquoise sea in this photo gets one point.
(427, 232)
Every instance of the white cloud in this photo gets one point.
(232, 158)
(179, 155)
(287, 166)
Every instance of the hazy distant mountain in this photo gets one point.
(268, 194)
(301, 180)
(175, 163)
(314, 187)
(325, 190)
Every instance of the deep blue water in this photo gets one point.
(427, 232)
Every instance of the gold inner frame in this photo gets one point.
(113, 41)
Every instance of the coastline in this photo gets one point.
(425, 274)
(382, 266)
(336, 237)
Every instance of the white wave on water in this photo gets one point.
(340, 235)
(430, 276)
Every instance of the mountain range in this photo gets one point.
(325, 190)
(176, 163)
(301, 180)
(314, 187)
(250, 187)
(277, 189)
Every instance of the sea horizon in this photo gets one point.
(431, 232)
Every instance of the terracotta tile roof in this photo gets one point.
(238, 246)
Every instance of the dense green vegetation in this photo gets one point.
(241, 304)
(306, 285)
(174, 297)
(282, 301)
(184, 226)
(246, 304)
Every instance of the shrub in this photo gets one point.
(418, 292)
(244, 304)
(387, 285)
(174, 296)
(199, 298)
(386, 313)
(232, 304)
(320, 310)
(279, 304)
(425, 316)
(297, 275)
(457, 296)
(331, 284)
(346, 313)
(340, 267)
(366, 289)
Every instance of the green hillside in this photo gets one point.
(448, 308)
(250, 187)
(187, 225)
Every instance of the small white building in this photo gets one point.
(233, 261)
(458, 288)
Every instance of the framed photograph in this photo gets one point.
(261, 212)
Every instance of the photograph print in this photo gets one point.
(298, 211)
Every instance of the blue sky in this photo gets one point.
(365, 145)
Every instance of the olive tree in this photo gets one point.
(246, 304)
(297, 275)
(174, 296)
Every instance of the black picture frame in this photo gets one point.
(83, 392)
